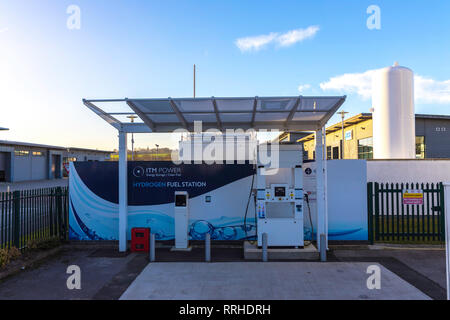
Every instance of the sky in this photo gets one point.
(51, 57)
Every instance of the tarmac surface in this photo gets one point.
(109, 275)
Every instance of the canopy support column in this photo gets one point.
(320, 188)
(123, 191)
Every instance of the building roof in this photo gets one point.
(75, 149)
(27, 144)
(363, 117)
(167, 115)
(45, 146)
(432, 116)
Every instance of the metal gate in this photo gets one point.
(394, 216)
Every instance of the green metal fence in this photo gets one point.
(391, 220)
(33, 215)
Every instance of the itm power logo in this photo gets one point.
(140, 172)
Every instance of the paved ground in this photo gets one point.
(28, 185)
(429, 263)
(106, 274)
(48, 281)
(259, 281)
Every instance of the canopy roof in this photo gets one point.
(167, 115)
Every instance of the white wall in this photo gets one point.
(408, 171)
(347, 198)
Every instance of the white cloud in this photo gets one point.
(426, 90)
(289, 38)
(359, 83)
(304, 87)
(298, 35)
(255, 43)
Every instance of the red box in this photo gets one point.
(140, 238)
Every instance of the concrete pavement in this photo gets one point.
(261, 281)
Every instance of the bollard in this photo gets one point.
(323, 248)
(264, 247)
(208, 247)
(152, 247)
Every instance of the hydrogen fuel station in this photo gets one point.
(231, 200)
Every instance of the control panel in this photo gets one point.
(279, 193)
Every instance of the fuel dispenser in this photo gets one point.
(280, 199)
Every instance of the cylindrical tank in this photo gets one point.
(393, 113)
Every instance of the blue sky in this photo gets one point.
(147, 49)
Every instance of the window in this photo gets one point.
(365, 148)
(38, 153)
(328, 153)
(305, 155)
(21, 153)
(335, 152)
(420, 147)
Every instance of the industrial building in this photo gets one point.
(432, 138)
(21, 161)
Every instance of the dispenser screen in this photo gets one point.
(180, 200)
(280, 191)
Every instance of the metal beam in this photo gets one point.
(255, 103)
(293, 111)
(333, 110)
(216, 111)
(141, 114)
(137, 128)
(102, 114)
(123, 191)
(178, 113)
(320, 185)
(171, 126)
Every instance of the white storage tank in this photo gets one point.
(393, 113)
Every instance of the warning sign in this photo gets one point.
(412, 196)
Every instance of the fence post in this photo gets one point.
(442, 211)
(16, 204)
(65, 213)
(265, 257)
(370, 210)
(152, 247)
(323, 247)
(446, 193)
(208, 247)
(50, 196)
(59, 225)
(377, 212)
